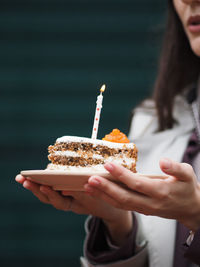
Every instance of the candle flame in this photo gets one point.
(103, 87)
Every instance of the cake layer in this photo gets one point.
(65, 158)
(83, 148)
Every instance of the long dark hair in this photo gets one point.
(178, 67)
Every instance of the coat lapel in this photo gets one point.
(152, 146)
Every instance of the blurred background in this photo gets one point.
(54, 57)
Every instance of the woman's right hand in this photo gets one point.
(118, 221)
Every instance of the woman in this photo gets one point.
(115, 235)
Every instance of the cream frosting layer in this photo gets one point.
(73, 154)
(69, 139)
(89, 169)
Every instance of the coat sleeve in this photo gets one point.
(98, 252)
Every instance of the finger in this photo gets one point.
(78, 208)
(78, 195)
(20, 179)
(81, 200)
(79, 203)
(182, 171)
(140, 183)
(123, 198)
(97, 193)
(68, 193)
(35, 189)
(59, 202)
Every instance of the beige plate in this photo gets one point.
(67, 180)
(61, 180)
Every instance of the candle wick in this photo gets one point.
(103, 87)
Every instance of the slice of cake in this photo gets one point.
(84, 154)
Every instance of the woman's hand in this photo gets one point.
(118, 221)
(45, 194)
(176, 197)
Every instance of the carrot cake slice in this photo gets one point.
(75, 153)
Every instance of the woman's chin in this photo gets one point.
(195, 45)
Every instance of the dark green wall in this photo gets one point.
(54, 56)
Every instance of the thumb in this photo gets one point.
(181, 171)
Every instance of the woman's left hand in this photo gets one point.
(176, 197)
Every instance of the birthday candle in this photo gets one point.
(98, 112)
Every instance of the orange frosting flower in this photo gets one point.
(116, 136)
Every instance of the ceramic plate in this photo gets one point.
(61, 180)
(67, 180)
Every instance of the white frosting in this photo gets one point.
(119, 160)
(92, 169)
(95, 142)
(76, 154)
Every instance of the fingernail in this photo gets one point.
(17, 177)
(166, 164)
(109, 167)
(26, 184)
(94, 181)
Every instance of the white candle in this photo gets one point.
(98, 112)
